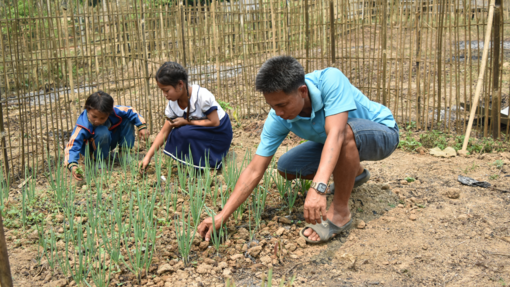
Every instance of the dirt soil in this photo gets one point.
(429, 232)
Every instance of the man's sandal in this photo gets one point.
(360, 179)
(326, 230)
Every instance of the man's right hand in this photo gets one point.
(205, 228)
(75, 175)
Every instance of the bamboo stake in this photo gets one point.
(69, 67)
(480, 78)
(332, 30)
(307, 37)
(5, 269)
(496, 100)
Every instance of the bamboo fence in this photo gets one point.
(418, 57)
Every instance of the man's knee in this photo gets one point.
(349, 139)
(288, 176)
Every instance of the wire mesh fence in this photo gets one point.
(421, 58)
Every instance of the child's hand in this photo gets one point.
(144, 164)
(143, 134)
(179, 122)
(75, 174)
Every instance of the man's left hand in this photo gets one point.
(143, 134)
(315, 207)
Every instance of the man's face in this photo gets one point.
(287, 106)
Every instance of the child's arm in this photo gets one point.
(212, 121)
(75, 146)
(160, 139)
(136, 119)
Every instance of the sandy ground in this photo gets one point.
(430, 232)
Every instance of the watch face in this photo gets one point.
(322, 188)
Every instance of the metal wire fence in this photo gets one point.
(418, 57)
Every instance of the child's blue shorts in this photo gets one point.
(374, 141)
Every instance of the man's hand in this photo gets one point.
(179, 122)
(75, 175)
(315, 207)
(143, 134)
(205, 228)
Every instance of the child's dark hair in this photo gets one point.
(100, 101)
(170, 73)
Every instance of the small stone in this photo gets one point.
(243, 233)
(59, 218)
(404, 182)
(58, 283)
(203, 245)
(385, 186)
(361, 224)
(412, 217)
(301, 242)
(291, 247)
(265, 259)
(450, 152)
(236, 256)
(284, 220)
(165, 268)
(204, 268)
(210, 261)
(227, 272)
(280, 231)
(453, 193)
(463, 217)
(255, 251)
(400, 206)
(179, 265)
(424, 247)
(223, 265)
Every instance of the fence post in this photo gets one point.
(5, 269)
(479, 83)
(69, 67)
(146, 68)
(307, 37)
(3, 145)
(332, 29)
(496, 101)
(181, 7)
(442, 13)
(384, 45)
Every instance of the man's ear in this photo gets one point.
(303, 91)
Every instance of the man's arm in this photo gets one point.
(247, 181)
(315, 204)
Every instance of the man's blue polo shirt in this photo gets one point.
(331, 93)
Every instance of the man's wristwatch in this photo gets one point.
(320, 187)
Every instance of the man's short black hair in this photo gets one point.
(281, 73)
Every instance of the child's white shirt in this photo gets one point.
(202, 102)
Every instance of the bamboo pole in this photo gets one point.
(496, 100)
(307, 37)
(332, 29)
(146, 66)
(5, 269)
(72, 104)
(480, 78)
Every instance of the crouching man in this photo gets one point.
(342, 126)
